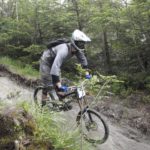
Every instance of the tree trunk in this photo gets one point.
(106, 53)
(142, 62)
(2, 7)
(75, 3)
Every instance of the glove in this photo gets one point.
(63, 88)
(88, 76)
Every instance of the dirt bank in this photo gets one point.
(125, 111)
(122, 137)
(18, 78)
(130, 111)
(120, 115)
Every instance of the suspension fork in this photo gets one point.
(89, 114)
(84, 107)
(82, 103)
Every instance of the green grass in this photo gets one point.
(18, 67)
(53, 128)
(45, 129)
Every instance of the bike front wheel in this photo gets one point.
(93, 127)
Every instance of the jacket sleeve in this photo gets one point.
(82, 59)
(61, 54)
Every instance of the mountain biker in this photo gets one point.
(52, 60)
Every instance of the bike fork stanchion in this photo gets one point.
(82, 106)
(81, 125)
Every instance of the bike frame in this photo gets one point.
(85, 111)
(80, 93)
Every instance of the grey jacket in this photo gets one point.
(57, 55)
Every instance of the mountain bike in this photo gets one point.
(94, 128)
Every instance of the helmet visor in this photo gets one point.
(80, 44)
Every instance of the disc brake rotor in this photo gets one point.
(92, 126)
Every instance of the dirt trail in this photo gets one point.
(12, 93)
(120, 138)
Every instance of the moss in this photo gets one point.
(16, 124)
(7, 143)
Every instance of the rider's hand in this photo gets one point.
(63, 88)
(88, 76)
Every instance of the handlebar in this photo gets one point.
(72, 89)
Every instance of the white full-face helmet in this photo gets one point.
(79, 39)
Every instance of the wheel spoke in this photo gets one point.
(94, 128)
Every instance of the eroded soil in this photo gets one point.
(125, 131)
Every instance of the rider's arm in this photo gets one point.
(61, 54)
(56, 81)
(82, 59)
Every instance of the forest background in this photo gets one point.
(119, 29)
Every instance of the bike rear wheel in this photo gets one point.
(53, 105)
(38, 95)
(93, 127)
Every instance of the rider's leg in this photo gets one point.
(44, 97)
(46, 80)
(53, 94)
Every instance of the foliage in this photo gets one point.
(33, 53)
(41, 128)
(147, 82)
(136, 81)
(80, 70)
(51, 128)
(126, 92)
(19, 67)
(48, 127)
(119, 31)
(103, 83)
(146, 99)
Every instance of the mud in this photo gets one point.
(136, 116)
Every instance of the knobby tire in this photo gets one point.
(106, 129)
